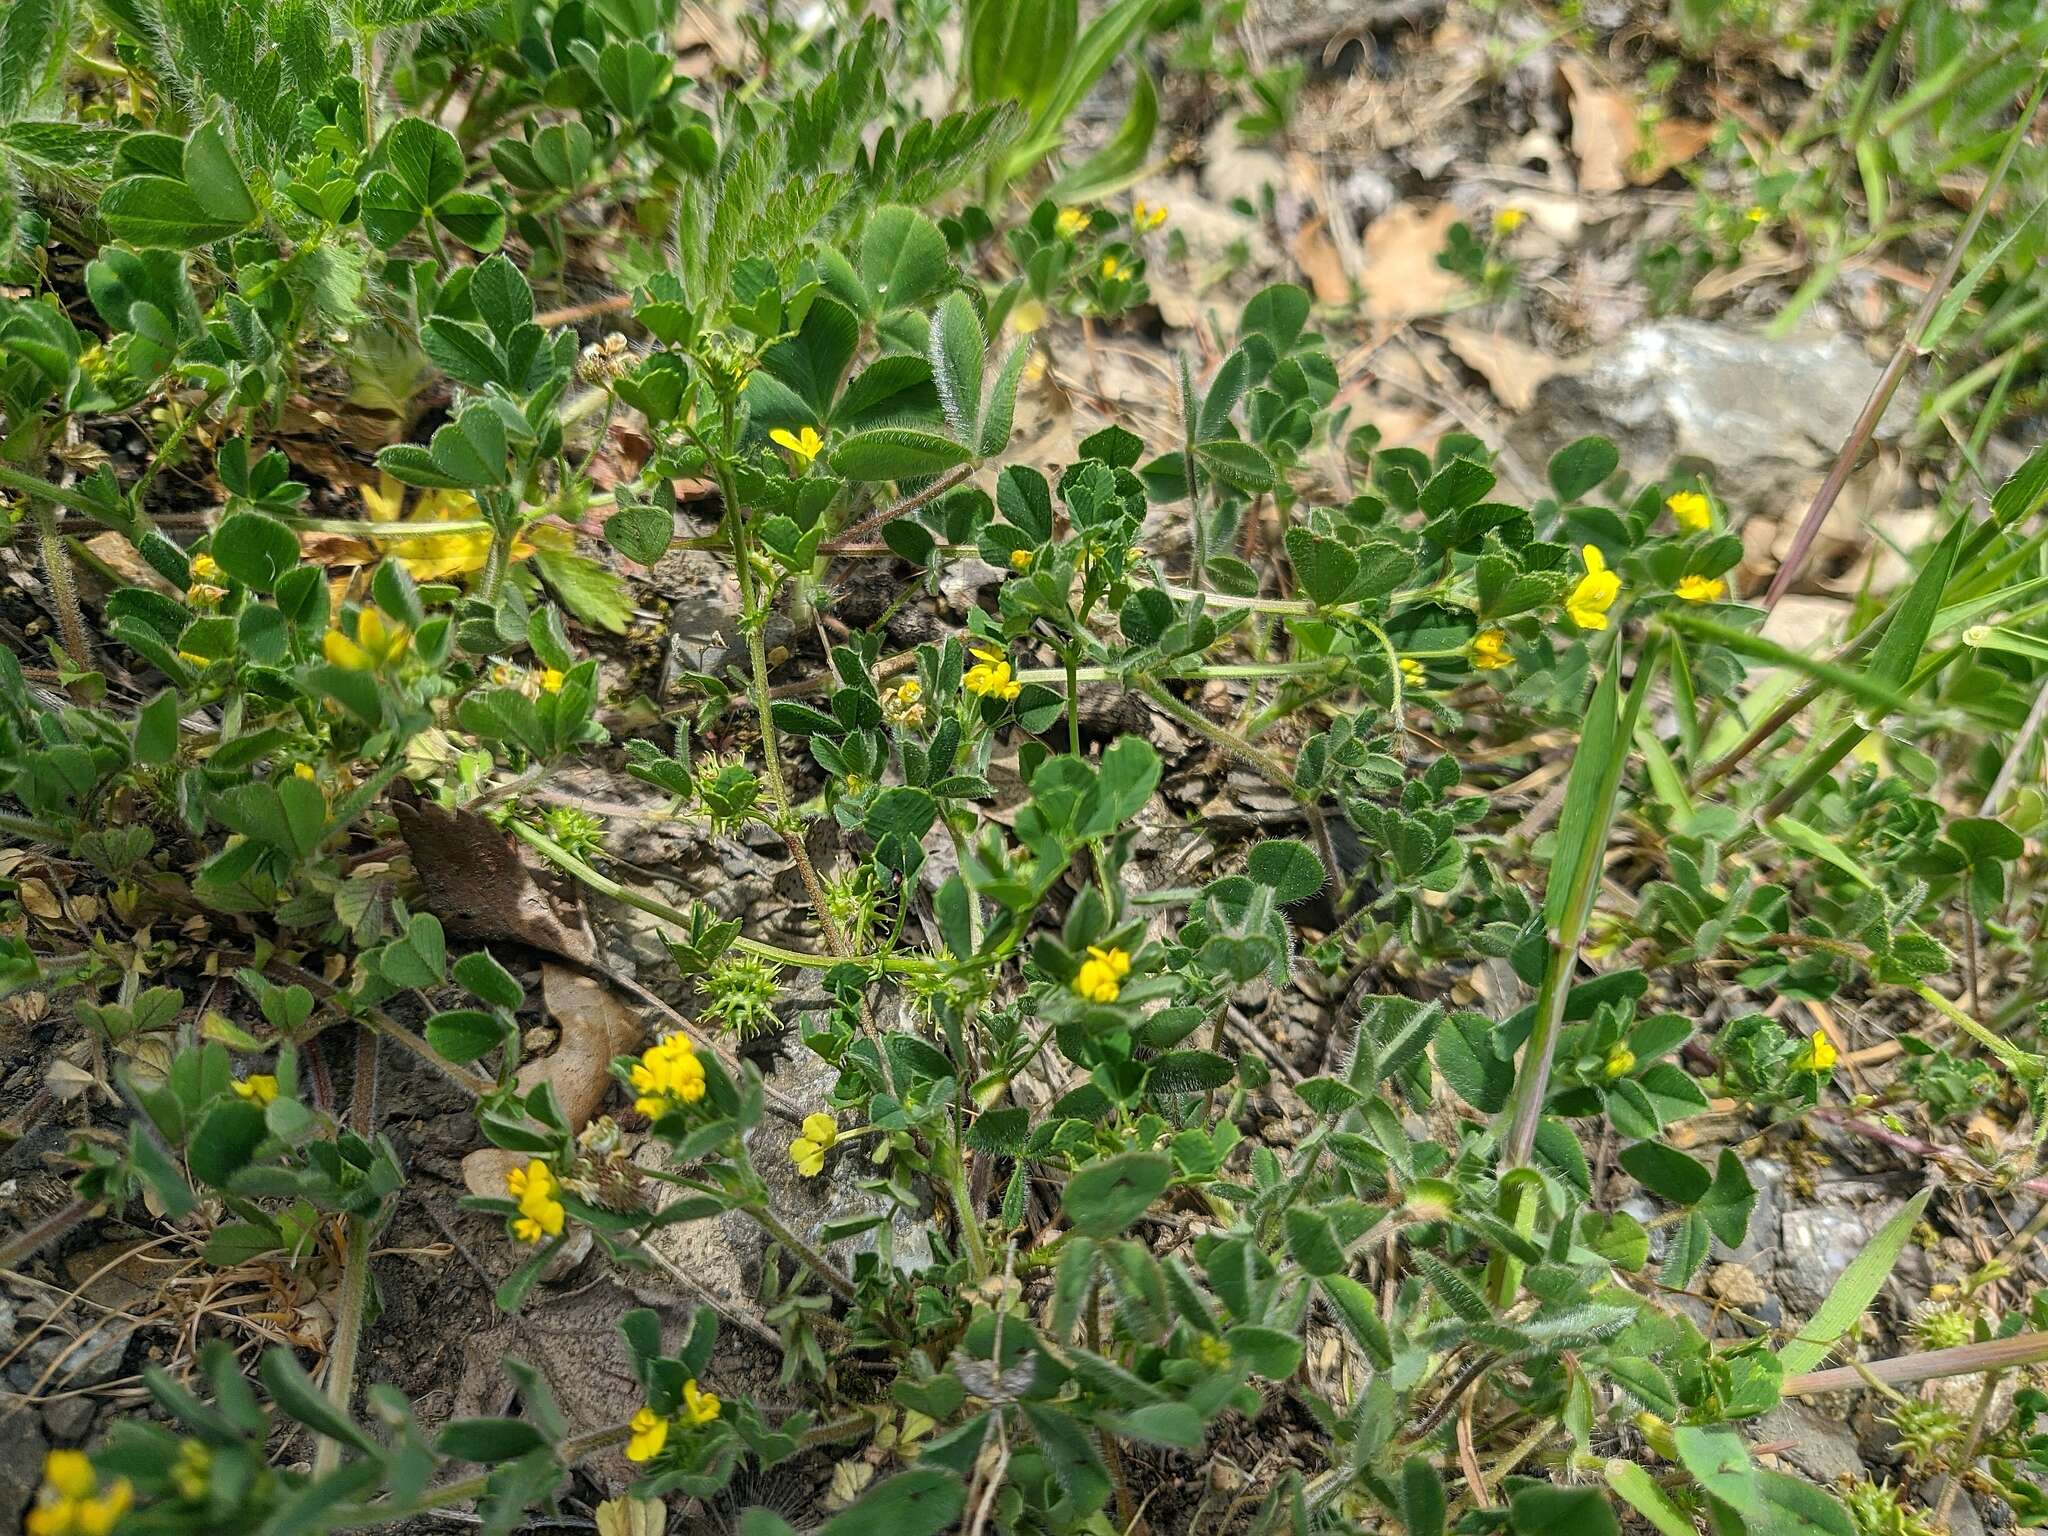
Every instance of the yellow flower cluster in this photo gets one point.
(1114, 271)
(808, 1150)
(1101, 976)
(70, 1504)
(803, 446)
(375, 645)
(434, 556)
(993, 678)
(258, 1088)
(1490, 650)
(1595, 593)
(1071, 223)
(1692, 511)
(1146, 217)
(1413, 674)
(903, 705)
(540, 1213)
(668, 1073)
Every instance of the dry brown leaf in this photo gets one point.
(1317, 257)
(1512, 370)
(39, 900)
(119, 556)
(472, 877)
(595, 1027)
(1608, 139)
(1401, 278)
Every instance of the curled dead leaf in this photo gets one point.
(595, 1027)
(472, 877)
(1613, 144)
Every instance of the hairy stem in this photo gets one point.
(63, 587)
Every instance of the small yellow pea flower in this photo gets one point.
(992, 678)
(375, 645)
(1595, 593)
(803, 446)
(1819, 1055)
(1508, 220)
(540, 1213)
(699, 1407)
(1211, 1351)
(1699, 589)
(1412, 672)
(1620, 1062)
(305, 771)
(259, 1088)
(1101, 975)
(68, 1505)
(1071, 223)
(649, 1435)
(1020, 559)
(1113, 270)
(551, 680)
(668, 1073)
(194, 1471)
(1755, 213)
(1146, 217)
(1490, 650)
(205, 568)
(903, 705)
(808, 1151)
(1692, 510)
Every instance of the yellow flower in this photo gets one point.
(203, 594)
(1212, 1351)
(550, 681)
(1114, 270)
(540, 1213)
(1620, 1061)
(1693, 511)
(434, 556)
(375, 645)
(1819, 1055)
(67, 1504)
(205, 568)
(992, 678)
(804, 446)
(1071, 223)
(1490, 650)
(668, 1073)
(1412, 672)
(1020, 559)
(1101, 975)
(193, 1472)
(1699, 589)
(1508, 220)
(305, 771)
(808, 1150)
(259, 1088)
(903, 705)
(1595, 593)
(650, 1434)
(1146, 217)
(698, 1407)
(1755, 214)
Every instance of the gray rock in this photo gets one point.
(22, 1450)
(69, 1418)
(1963, 1519)
(1817, 1244)
(82, 1360)
(1681, 390)
(1821, 1447)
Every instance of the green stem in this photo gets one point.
(835, 1280)
(36, 486)
(34, 831)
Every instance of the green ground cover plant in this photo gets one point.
(211, 208)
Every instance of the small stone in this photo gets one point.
(1819, 1446)
(22, 1450)
(68, 1419)
(1963, 1519)
(1737, 1285)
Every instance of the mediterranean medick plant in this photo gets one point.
(1149, 1226)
